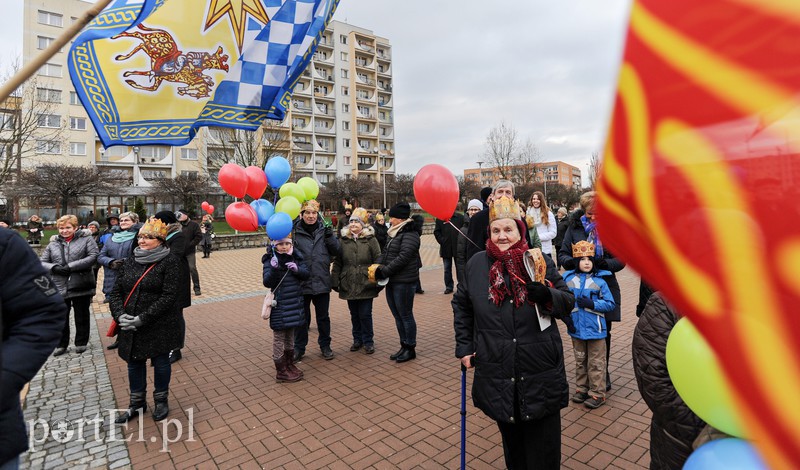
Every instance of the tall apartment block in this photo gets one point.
(340, 122)
(545, 172)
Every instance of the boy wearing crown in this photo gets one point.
(593, 300)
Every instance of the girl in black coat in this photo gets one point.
(143, 303)
(284, 273)
(504, 327)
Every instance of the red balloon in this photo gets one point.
(256, 181)
(240, 216)
(233, 180)
(210, 209)
(436, 190)
(204, 205)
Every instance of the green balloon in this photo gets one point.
(310, 187)
(289, 205)
(293, 190)
(697, 375)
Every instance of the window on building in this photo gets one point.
(346, 143)
(6, 121)
(320, 124)
(364, 111)
(345, 108)
(344, 73)
(48, 94)
(344, 56)
(77, 148)
(363, 127)
(345, 125)
(346, 160)
(343, 39)
(188, 154)
(50, 70)
(189, 174)
(51, 147)
(116, 151)
(50, 18)
(153, 151)
(345, 91)
(77, 123)
(298, 122)
(5, 152)
(364, 161)
(43, 42)
(48, 120)
(73, 98)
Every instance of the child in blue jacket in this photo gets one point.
(592, 300)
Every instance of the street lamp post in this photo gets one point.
(480, 173)
(381, 173)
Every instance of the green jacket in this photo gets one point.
(349, 276)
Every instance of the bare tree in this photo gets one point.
(29, 123)
(467, 189)
(524, 170)
(184, 189)
(403, 186)
(65, 184)
(502, 148)
(351, 189)
(595, 163)
(247, 148)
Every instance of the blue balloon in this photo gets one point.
(278, 171)
(264, 210)
(728, 453)
(279, 226)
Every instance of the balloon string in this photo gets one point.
(464, 235)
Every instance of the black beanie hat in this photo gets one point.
(401, 210)
(168, 217)
(485, 192)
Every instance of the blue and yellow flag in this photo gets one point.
(154, 71)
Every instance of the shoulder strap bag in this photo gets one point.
(113, 329)
(269, 299)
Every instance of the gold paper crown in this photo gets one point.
(154, 227)
(348, 207)
(378, 217)
(361, 214)
(504, 208)
(583, 248)
(310, 205)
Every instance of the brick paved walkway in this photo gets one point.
(356, 411)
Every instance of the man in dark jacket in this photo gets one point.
(33, 314)
(176, 243)
(673, 426)
(447, 236)
(193, 235)
(318, 247)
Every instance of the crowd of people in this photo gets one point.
(520, 270)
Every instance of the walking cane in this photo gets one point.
(463, 416)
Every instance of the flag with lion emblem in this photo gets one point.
(154, 71)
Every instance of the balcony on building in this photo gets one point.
(301, 125)
(366, 63)
(325, 145)
(385, 101)
(364, 45)
(321, 73)
(326, 40)
(384, 69)
(325, 109)
(324, 92)
(369, 131)
(302, 107)
(384, 52)
(364, 112)
(364, 79)
(385, 86)
(302, 88)
(386, 117)
(323, 57)
(160, 155)
(366, 95)
(387, 133)
(116, 155)
(302, 144)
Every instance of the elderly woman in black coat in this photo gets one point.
(583, 226)
(143, 303)
(504, 327)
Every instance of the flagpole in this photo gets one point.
(28, 70)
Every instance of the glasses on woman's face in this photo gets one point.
(146, 237)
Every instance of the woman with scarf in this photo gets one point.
(504, 328)
(143, 303)
(583, 226)
(117, 247)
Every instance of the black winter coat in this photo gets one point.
(575, 233)
(400, 260)
(381, 234)
(349, 275)
(289, 312)
(32, 315)
(177, 244)
(193, 235)
(561, 229)
(154, 301)
(447, 237)
(461, 253)
(318, 250)
(674, 426)
(519, 369)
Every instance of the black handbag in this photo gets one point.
(78, 280)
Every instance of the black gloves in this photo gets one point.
(584, 302)
(537, 292)
(601, 263)
(570, 324)
(569, 264)
(116, 264)
(61, 270)
(379, 273)
(328, 231)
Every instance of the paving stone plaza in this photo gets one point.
(355, 411)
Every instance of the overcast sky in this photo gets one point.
(460, 67)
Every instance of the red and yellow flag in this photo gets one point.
(700, 190)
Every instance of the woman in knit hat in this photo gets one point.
(143, 303)
(504, 328)
(399, 263)
(350, 276)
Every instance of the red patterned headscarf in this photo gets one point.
(508, 262)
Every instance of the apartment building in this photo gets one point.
(340, 122)
(547, 172)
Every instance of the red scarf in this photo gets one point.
(507, 262)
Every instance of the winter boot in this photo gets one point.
(288, 355)
(137, 405)
(161, 409)
(284, 374)
(399, 352)
(407, 355)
